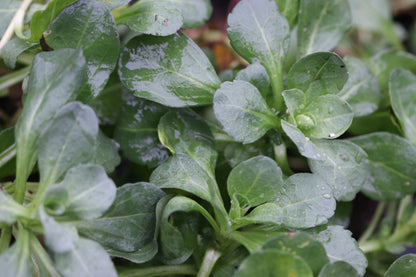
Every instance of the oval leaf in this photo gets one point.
(361, 90)
(318, 74)
(243, 112)
(321, 24)
(95, 32)
(256, 74)
(136, 131)
(253, 177)
(403, 101)
(403, 266)
(273, 263)
(392, 163)
(194, 12)
(339, 268)
(172, 71)
(16, 260)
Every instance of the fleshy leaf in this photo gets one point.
(258, 179)
(89, 192)
(59, 237)
(243, 112)
(305, 201)
(302, 245)
(339, 268)
(136, 131)
(158, 18)
(361, 90)
(290, 8)
(10, 210)
(13, 49)
(392, 163)
(257, 30)
(318, 73)
(15, 261)
(172, 71)
(194, 12)
(88, 258)
(70, 139)
(403, 101)
(321, 24)
(8, 9)
(256, 74)
(106, 153)
(95, 33)
(254, 239)
(129, 224)
(55, 79)
(344, 167)
(113, 4)
(403, 266)
(272, 262)
(340, 246)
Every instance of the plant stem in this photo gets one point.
(210, 258)
(280, 156)
(276, 81)
(373, 224)
(16, 24)
(6, 236)
(42, 258)
(166, 270)
(13, 78)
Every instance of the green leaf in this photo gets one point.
(243, 112)
(258, 31)
(403, 266)
(15, 261)
(318, 73)
(152, 17)
(94, 32)
(254, 239)
(361, 90)
(302, 245)
(172, 71)
(273, 263)
(325, 116)
(258, 179)
(89, 192)
(236, 153)
(392, 163)
(59, 237)
(7, 152)
(340, 246)
(70, 139)
(59, 73)
(42, 18)
(403, 101)
(184, 132)
(290, 9)
(10, 210)
(304, 144)
(129, 224)
(305, 201)
(344, 167)
(321, 24)
(339, 268)
(256, 74)
(88, 258)
(113, 4)
(13, 49)
(382, 65)
(8, 9)
(176, 247)
(106, 153)
(136, 131)
(194, 12)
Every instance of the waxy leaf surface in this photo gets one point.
(321, 24)
(339, 268)
(361, 90)
(106, 153)
(194, 12)
(256, 74)
(392, 162)
(11, 51)
(242, 111)
(8, 9)
(129, 224)
(172, 71)
(403, 266)
(290, 9)
(136, 131)
(403, 101)
(95, 32)
(10, 210)
(16, 261)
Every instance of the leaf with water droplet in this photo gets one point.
(172, 71)
(242, 111)
(344, 167)
(324, 22)
(301, 204)
(392, 161)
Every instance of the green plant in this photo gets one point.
(250, 175)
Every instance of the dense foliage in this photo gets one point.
(133, 155)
